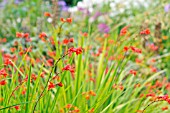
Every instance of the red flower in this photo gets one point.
(126, 48)
(26, 35)
(85, 34)
(17, 107)
(8, 62)
(60, 84)
(123, 31)
(76, 50)
(136, 50)
(47, 14)
(33, 77)
(42, 35)
(12, 49)
(153, 69)
(51, 85)
(42, 74)
(3, 82)
(138, 60)
(69, 68)
(24, 92)
(71, 40)
(133, 72)
(3, 72)
(153, 47)
(19, 35)
(69, 20)
(151, 95)
(79, 50)
(145, 32)
(66, 41)
(50, 62)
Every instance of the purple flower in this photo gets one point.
(65, 8)
(17, 1)
(167, 8)
(97, 14)
(84, 11)
(81, 9)
(103, 28)
(61, 3)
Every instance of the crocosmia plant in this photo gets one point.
(88, 56)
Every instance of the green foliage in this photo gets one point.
(101, 77)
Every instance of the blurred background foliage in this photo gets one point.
(28, 16)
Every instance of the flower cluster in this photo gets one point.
(88, 94)
(145, 32)
(165, 98)
(73, 109)
(68, 20)
(3, 72)
(68, 68)
(133, 72)
(22, 35)
(78, 50)
(134, 49)
(52, 85)
(66, 41)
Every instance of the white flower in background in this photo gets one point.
(18, 20)
(116, 6)
(73, 9)
(49, 20)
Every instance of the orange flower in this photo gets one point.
(91, 111)
(87, 97)
(62, 20)
(42, 35)
(76, 110)
(68, 106)
(164, 108)
(13, 49)
(1, 99)
(69, 20)
(47, 14)
(19, 35)
(123, 31)
(92, 93)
